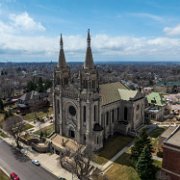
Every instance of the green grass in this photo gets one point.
(46, 130)
(2, 134)
(157, 132)
(1, 118)
(3, 176)
(122, 169)
(40, 114)
(158, 164)
(111, 148)
(27, 126)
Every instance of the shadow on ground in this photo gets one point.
(18, 155)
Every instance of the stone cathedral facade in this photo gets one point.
(89, 112)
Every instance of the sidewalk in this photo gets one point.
(114, 158)
(48, 161)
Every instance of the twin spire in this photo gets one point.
(62, 60)
(88, 64)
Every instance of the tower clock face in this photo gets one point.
(72, 110)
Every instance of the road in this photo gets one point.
(13, 161)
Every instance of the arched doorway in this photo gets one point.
(71, 132)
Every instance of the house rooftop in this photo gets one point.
(156, 99)
(168, 132)
(174, 139)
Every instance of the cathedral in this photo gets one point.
(90, 112)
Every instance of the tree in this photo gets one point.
(47, 84)
(14, 125)
(40, 87)
(1, 105)
(141, 141)
(78, 162)
(144, 165)
(31, 86)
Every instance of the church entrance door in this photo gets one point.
(71, 133)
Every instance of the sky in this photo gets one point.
(121, 30)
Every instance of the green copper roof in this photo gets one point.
(156, 99)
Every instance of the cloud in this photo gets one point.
(25, 22)
(147, 15)
(172, 31)
(103, 46)
(15, 45)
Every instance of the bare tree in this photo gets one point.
(78, 162)
(14, 125)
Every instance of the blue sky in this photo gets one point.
(122, 30)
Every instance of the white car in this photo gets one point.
(36, 162)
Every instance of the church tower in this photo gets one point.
(89, 75)
(61, 80)
(90, 100)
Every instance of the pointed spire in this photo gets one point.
(61, 42)
(89, 64)
(62, 60)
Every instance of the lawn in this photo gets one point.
(46, 130)
(28, 126)
(1, 118)
(40, 114)
(157, 132)
(2, 134)
(158, 164)
(122, 169)
(3, 176)
(112, 147)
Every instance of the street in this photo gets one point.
(13, 161)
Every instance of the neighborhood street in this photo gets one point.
(13, 161)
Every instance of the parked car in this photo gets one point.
(14, 176)
(36, 162)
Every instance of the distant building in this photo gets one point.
(155, 106)
(168, 87)
(32, 99)
(171, 155)
(89, 112)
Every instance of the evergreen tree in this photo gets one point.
(40, 87)
(31, 86)
(1, 105)
(144, 165)
(47, 84)
(141, 141)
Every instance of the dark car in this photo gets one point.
(14, 176)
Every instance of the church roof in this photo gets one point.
(109, 92)
(126, 94)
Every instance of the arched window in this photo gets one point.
(97, 140)
(95, 112)
(58, 106)
(118, 113)
(85, 84)
(125, 113)
(113, 115)
(107, 118)
(84, 113)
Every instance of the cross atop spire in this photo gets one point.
(62, 60)
(88, 64)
